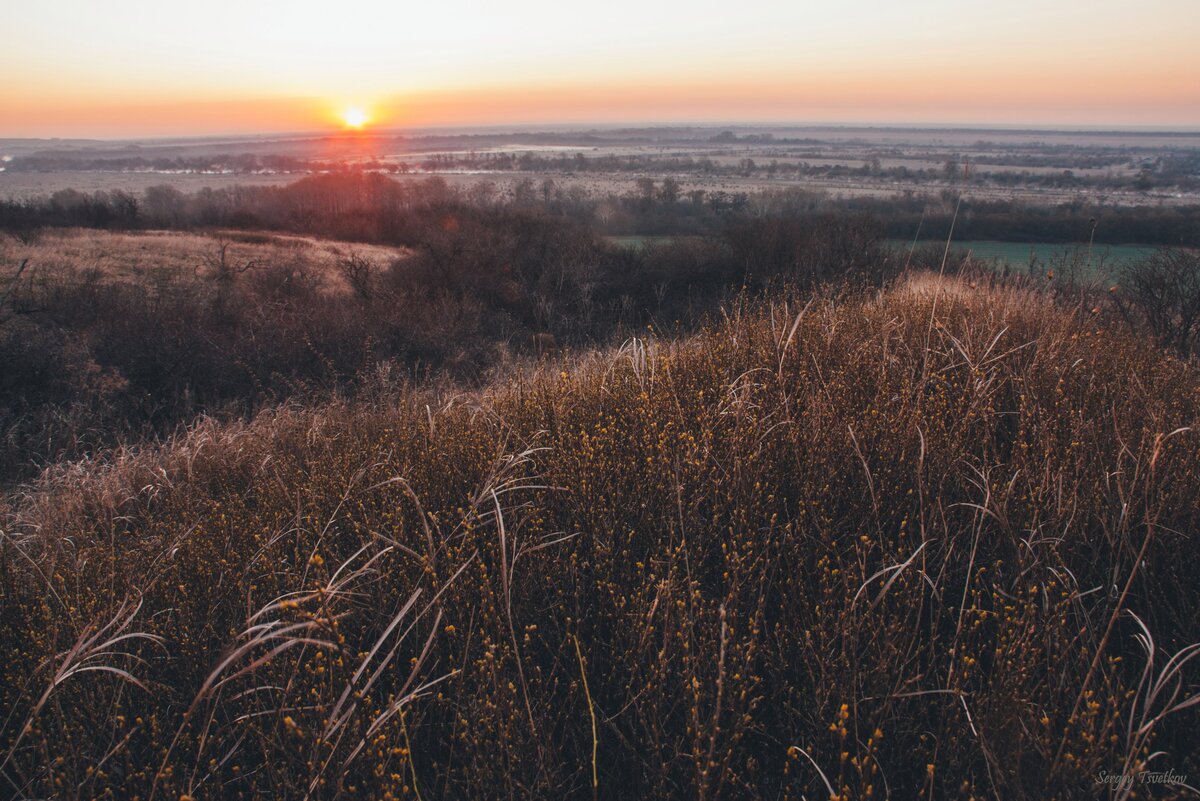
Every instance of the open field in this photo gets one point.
(872, 546)
(1018, 254)
(1098, 260)
(36, 184)
(142, 254)
(1049, 166)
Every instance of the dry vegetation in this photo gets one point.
(136, 255)
(114, 336)
(916, 543)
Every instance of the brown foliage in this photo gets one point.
(861, 547)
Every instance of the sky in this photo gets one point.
(127, 68)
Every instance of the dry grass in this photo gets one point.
(859, 548)
(134, 256)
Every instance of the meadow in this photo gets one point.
(362, 488)
(134, 255)
(917, 542)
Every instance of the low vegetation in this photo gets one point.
(928, 541)
(110, 336)
(363, 206)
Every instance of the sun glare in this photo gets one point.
(354, 118)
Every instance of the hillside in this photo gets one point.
(924, 542)
(132, 255)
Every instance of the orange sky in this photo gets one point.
(78, 68)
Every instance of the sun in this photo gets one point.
(354, 118)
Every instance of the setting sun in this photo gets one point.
(354, 118)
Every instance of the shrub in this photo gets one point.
(1162, 294)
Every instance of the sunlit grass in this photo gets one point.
(860, 547)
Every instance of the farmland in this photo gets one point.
(1043, 166)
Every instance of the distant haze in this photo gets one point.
(79, 68)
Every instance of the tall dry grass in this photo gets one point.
(931, 542)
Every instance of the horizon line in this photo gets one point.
(581, 127)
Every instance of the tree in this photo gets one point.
(165, 205)
(125, 204)
(523, 193)
(646, 188)
(670, 190)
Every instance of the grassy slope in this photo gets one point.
(132, 255)
(724, 613)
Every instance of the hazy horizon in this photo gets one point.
(551, 126)
(143, 69)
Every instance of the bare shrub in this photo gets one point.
(360, 273)
(1161, 293)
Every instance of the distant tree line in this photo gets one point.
(1145, 171)
(371, 207)
(1180, 171)
(241, 163)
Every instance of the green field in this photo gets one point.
(1018, 255)
(639, 241)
